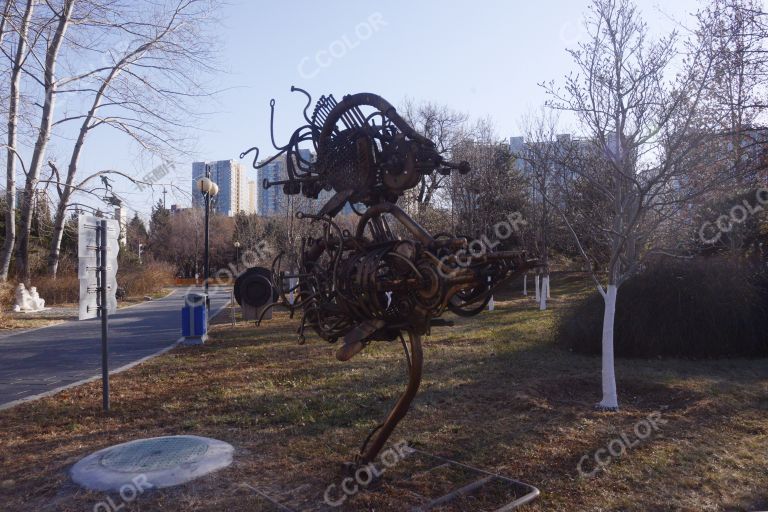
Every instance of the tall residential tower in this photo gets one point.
(231, 178)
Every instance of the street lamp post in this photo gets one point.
(237, 255)
(209, 189)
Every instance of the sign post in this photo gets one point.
(104, 312)
(97, 270)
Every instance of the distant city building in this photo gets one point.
(121, 215)
(521, 149)
(175, 209)
(564, 147)
(516, 147)
(253, 197)
(231, 178)
(273, 201)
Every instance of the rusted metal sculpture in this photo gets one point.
(371, 284)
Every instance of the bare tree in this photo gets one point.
(186, 241)
(19, 56)
(137, 67)
(640, 135)
(542, 152)
(53, 43)
(733, 35)
(483, 197)
(147, 91)
(446, 128)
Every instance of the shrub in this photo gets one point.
(7, 300)
(7, 295)
(63, 289)
(698, 308)
(137, 281)
(145, 279)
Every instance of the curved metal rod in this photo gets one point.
(296, 137)
(411, 225)
(309, 101)
(369, 451)
(371, 100)
(268, 161)
(272, 125)
(264, 312)
(254, 164)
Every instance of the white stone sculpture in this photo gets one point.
(27, 301)
(36, 299)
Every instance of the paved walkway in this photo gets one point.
(46, 359)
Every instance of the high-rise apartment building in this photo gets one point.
(253, 197)
(231, 178)
(273, 201)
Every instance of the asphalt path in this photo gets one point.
(43, 361)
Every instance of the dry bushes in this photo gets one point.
(63, 289)
(6, 300)
(7, 295)
(708, 307)
(146, 279)
(136, 280)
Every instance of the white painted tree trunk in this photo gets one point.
(525, 285)
(491, 304)
(536, 283)
(546, 285)
(543, 294)
(610, 398)
(292, 282)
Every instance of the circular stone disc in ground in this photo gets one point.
(152, 463)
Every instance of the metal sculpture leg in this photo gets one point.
(369, 451)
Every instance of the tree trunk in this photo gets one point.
(546, 285)
(22, 251)
(58, 234)
(43, 136)
(55, 248)
(525, 285)
(543, 294)
(491, 303)
(610, 399)
(537, 295)
(13, 105)
(10, 223)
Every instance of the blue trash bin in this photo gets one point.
(194, 319)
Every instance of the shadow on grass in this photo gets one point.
(496, 393)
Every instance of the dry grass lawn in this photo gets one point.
(498, 393)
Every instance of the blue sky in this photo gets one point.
(484, 58)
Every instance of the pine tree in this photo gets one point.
(159, 231)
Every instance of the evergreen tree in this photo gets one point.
(136, 231)
(159, 232)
